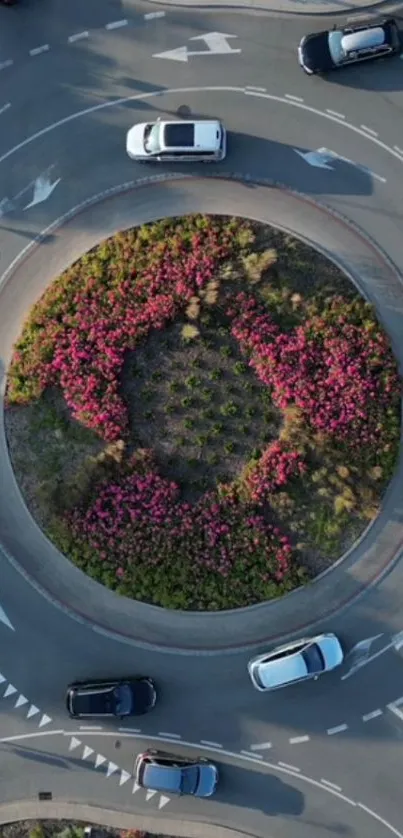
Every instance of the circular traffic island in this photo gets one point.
(203, 413)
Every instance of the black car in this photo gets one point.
(171, 774)
(331, 50)
(131, 697)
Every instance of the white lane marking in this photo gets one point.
(129, 729)
(397, 639)
(10, 691)
(39, 50)
(45, 720)
(293, 98)
(2, 679)
(150, 794)
(169, 735)
(332, 785)
(335, 113)
(5, 618)
(90, 727)
(5, 64)
(20, 736)
(396, 147)
(99, 760)
(374, 715)
(212, 89)
(253, 756)
(78, 37)
(163, 801)
(135, 787)
(153, 15)
(124, 777)
(74, 743)
(117, 24)
(381, 820)
(261, 746)
(112, 767)
(369, 131)
(290, 767)
(394, 707)
(87, 752)
(258, 89)
(21, 700)
(339, 729)
(33, 710)
(296, 740)
(210, 744)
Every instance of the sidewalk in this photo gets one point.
(361, 8)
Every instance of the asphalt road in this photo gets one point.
(321, 759)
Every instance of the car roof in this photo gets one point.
(364, 39)
(162, 777)
(203, 135)
(282, 670)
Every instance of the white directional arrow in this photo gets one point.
(315, 158)
(216, 42)
(43, 188)
(3, 616)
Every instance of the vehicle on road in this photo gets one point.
(172, 774)
(300, 660)
(321, 52)
(201, 140)
(119, 698)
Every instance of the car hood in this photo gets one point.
(208, 778)
(315, 51)
(331, 651)
(135, 139)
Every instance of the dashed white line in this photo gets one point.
(289, 767)
(129, 730)
(332, 785)
(5, 108)
(335, 113)
(117, 24)
(296, 740)
(261, 746)
(153, 15)
(294, 98)
(339, 729)
(79, 36)
(251, 755)
(257, 89)
(39, 50)
(369, 716)
(369, 131)
(169, 735)
(90, 727)
(5, 64)
(210, 744)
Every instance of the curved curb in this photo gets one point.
(84, 599)
(70, 811)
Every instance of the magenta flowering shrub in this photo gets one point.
(337, 367)
(142, 522)
(273, 470)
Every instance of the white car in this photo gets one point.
(296, 661)
(204, 140)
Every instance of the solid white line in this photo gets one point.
(339, 729)
(373, 715)
(252, 756)
(396, 147)
(210, 744)
(381, 820)
(116, 24)
(261, 747)
(169, 735)
(38, 50)
(258, 89)
(153, 15)
(290, 767)
(78, 37)
(91, 727)
(297, 739)
(32, 735)
(335, 113)
(369, 131)
(6, 64)
(293, 98)
(332, 785)
(129, 729)
(5, 108)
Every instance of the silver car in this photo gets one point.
(296, 661)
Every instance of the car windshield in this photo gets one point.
(313, 659)
(335, 46)
(123, 698)
(190, 779)
(152, 135)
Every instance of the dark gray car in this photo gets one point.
(171, 774)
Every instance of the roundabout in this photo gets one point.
(66, 624)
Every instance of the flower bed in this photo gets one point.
(219, 417)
